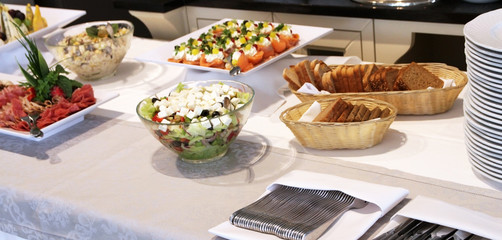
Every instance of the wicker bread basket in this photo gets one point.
(415, 102)
(335, 135)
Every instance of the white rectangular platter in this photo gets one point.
(101, 97)
(55, 17)
(162, 53)
(13, 51)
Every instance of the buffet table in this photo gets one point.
(107, 177)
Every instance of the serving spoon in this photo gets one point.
(31, 119)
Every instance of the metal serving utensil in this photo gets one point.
(236, 70)
(31, 119)
(295, 213)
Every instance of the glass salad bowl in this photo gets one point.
(198, 120)
(92, 50)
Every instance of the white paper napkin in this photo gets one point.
(311, 113)
(352, 225)
(448, 215)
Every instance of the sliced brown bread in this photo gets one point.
(390, 75)
(370, 70)
(327, 82)
(360, 114)
(327, 113)
(339, 110)
(375, 113)
(377, 83)
(302, 72)
(416, 77)
(385, 113)
(366, 116)
(310, 73)
(319, 70)
(336, 74)
(353, 113)
(358, 77)
(289, 74)
(343, 116)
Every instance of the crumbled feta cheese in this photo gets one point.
(162, 114)
(235, 101)
(226, 120)
(215, 121)
(163, 128)
(191, 114)
(198, 110)
(183, 111)
(206, 124)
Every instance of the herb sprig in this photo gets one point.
(42, 78)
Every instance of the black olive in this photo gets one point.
(3, 36)
(154, 99)
(176, 143)
(204, 113)
(215, 114)
(20, 15)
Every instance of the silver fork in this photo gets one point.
(295, 213)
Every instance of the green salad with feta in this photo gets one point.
(197, 122)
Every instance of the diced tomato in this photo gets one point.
(156, 118)
(231, 136)
(31, 93)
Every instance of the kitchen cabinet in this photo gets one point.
(394, 38)
(351, 36)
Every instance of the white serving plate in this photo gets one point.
(162, 53)
(55, 17)
(13, 52)
(101, 97)
(486, 30)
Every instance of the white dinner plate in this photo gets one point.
(470, 148)
(484, 84)
(480, 108)
(484, 52)
(486, 30)
(56, 17)
(494, 73)
(493, 169)
(480, 147)
(484, 63)
(474, 71)
(494, 60)
(162, 53)
(101, 97)
(480, 150)
(485, 173)
(489, 122)
(485, 98)
(485, 141)
(486, 130)
(14, 51)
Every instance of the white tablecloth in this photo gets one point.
(107, 176)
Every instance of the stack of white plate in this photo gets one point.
(483, 100)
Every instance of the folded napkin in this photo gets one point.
(351, 225)
(311, 113)
(448, 215)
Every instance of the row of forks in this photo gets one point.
(413, 229)
(295, 213)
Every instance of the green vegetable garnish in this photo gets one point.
(179, 87)
(40, 76)
(93, 31)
